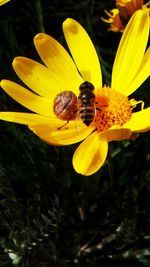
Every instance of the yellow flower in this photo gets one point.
(119, 17)
(114, 120)
(2, 2)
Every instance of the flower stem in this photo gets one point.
(39, 12)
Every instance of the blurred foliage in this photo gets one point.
(50, 215)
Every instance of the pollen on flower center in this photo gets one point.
(112, 108)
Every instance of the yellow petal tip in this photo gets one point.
(18, 60)
(15, 60)
(68, 21)
(40, 37)
(19, 63)
(70, 24)
(3, 82)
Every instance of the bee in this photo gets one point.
(68, 107)
(86, 103)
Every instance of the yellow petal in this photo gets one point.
(47, 129)
(140, 121)
(90, 155)
(68, 134)
(28, 99)
(37, 77)
(83, 52)
(2, 2)
(116, 134)
(23, 118)
(130, 51)
(61, 66)
(142, 74)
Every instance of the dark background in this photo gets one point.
(50, 215)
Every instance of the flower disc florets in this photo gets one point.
(112, 108)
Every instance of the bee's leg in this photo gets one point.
(59, 128)
(96, 108)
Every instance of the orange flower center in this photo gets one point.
(112, 108)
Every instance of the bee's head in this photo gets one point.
(86, 85)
